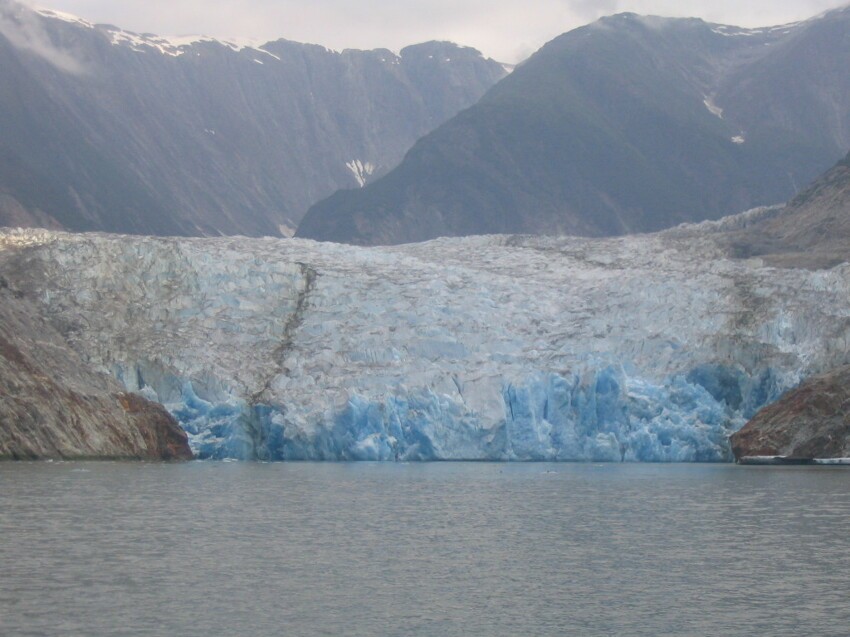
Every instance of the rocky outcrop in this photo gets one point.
(53, 405)
(811, 421)
(812, 231)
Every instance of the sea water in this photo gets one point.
(250, 549)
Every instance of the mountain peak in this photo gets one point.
(64, 17)
(439, 47)
(174, 46)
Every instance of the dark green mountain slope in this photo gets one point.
(630, 124)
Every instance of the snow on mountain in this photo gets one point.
(361, 170)
(173, 46)
(177, 46)
(733, 31)
(713, 108)
(645, 348)
(64, 17)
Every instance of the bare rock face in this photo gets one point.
(164, 439)
(53, 405)
(812, 421)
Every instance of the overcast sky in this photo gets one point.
(508, 30)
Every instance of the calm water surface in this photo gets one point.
(97, 549)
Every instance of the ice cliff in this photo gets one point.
(645, 348)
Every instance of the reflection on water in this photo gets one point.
(423, 549)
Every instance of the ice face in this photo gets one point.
(600, 415)
(603, 417)
(650, 348)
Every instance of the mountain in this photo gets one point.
(104, 129)
(630, 124)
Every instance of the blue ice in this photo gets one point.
(599, 414)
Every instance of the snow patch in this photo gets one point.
(179, 45)
(287, 229)
(738, 139)
(713, 108)
(269, 53)
(361, 170)
(733, 31)
(64, 17)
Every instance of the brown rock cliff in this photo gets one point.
(53, 405)
(811, 421)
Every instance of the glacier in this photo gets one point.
(650, 348)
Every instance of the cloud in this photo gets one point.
(593, 9)
(24, 30)
(753, 13)
(507, 30)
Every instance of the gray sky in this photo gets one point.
(508, 30)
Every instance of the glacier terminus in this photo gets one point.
(643, 348)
